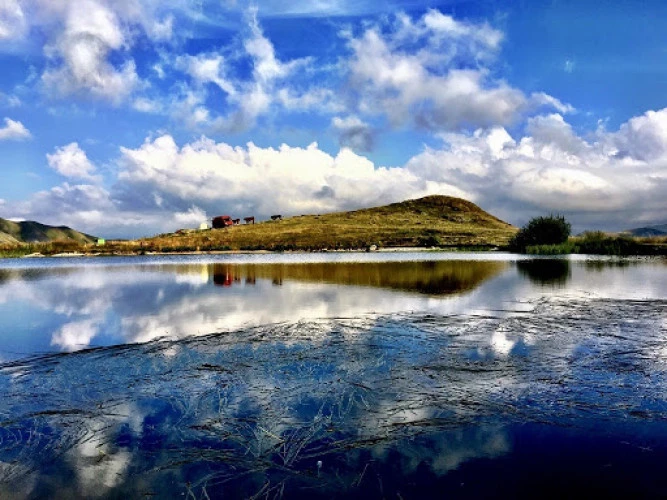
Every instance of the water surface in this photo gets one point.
(361, 375)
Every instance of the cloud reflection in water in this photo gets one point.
(362, 367)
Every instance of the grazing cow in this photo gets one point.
(236, 221)
(248, 220)
(276, 217)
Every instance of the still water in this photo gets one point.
(332, 375)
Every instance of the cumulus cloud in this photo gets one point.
(14, 131)
(161, 186)
(71, 161)
(599, 182)
(291, 180)
(432, 73)
(643, 137)
(92, 209)
(608, 180)
(354, 133)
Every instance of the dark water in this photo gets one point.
(374, 376)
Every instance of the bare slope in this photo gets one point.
(430, 221)
(31, 232)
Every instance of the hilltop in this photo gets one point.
(12, 233)
(440, 221)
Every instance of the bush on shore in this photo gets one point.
(598, 243)
(551, 230)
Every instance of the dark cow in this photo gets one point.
(248, 220)
(276, 217)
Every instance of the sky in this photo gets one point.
(128, 118)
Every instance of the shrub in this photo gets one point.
(430, 240)
(551, 230)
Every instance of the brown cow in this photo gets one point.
(248, 220)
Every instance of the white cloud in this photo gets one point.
(540, 99)
(71, 161)
(289, 180)
(80, 55)
(75, 335)
(643, 137)
(613, 180)
(207, 68)
(431, 73)
(272, 84)
(255, 97)
(92, 209)
(88, 43)
(12, 20)
(146, 105)
(161, 29)
(610, 180)
(14, 131)
(314, 99)
(10, 101)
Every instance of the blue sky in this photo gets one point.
(133, 117)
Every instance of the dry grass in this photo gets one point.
(434, 221)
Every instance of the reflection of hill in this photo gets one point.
(32, 274)
(433, 278)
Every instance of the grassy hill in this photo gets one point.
(32, 232)
(431, 221)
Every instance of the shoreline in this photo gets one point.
(38, 255)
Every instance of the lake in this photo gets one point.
(362, 375)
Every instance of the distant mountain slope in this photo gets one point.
(657, 230)
(31, 232)
(425, 222)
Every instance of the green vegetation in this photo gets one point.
(550, 236)
(12, 233)
(599, 243)
(44, 248)
(549, 231)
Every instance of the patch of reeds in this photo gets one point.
(600, 243)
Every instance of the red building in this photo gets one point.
(222, 221)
